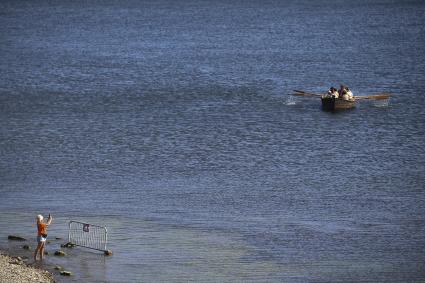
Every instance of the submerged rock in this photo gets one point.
(66, 273)
(58, 267)
(68, 245)
(60, 253)
(15, 238)
(26, 247)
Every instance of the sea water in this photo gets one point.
(170, 124)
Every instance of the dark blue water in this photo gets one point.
(171, 124)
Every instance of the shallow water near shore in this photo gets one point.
(171, 124)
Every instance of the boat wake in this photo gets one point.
(290, 101)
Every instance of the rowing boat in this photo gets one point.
(330, 103)
(335, 104)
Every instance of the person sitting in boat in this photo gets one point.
(333, 92)
(345, 93)
(341, 90)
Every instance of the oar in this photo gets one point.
(303, 93)
(379, 96)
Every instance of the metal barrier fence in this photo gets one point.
(88, 235)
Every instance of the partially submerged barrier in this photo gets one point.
(88, 236)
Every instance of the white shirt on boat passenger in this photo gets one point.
(350, 95)
(347, 94)
(332, 92)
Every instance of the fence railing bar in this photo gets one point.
(87, 235)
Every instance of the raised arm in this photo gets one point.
(49, 220)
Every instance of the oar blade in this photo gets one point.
(379, 96)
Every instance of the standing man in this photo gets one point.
(41, 235)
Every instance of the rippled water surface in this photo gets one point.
(170, 123)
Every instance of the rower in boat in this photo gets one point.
(333, 92)
(345, 93)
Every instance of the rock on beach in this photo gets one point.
(66, 273)
(15, 238)
(15, 270)
(60, 253)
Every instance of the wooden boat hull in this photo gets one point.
(335, 104)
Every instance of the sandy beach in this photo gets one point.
(14, 269)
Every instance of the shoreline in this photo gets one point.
(16, 269)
